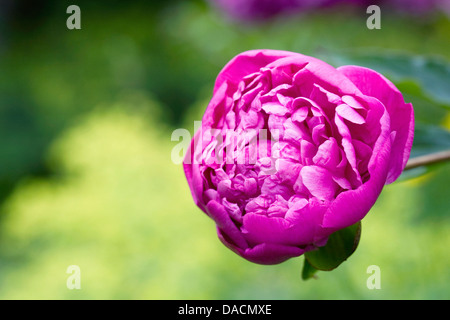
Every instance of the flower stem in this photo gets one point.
(428, 159)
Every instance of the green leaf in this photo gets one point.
(426, 110)
(308, 271)
(339, 247)
(413, 173)
(429, 139)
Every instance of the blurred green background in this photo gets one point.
(86, 176)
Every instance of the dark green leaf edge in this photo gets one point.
(309, 256)
(308, 271)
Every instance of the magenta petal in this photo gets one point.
(274, 108)
(328, 154)
(352, 102)
(300, 228)
(296, 209)
(218, 107)
(259, 205)
(260, 228)
(351, 206)
(350, 114)
(272, 186)
(331, 97)
(287, 170)
(192, 170)
(233, 210)
(247, 63)
(269, 253)
(300, 114)
(319, 181)
(293, 132)
(224, 223)
(278, 208)
(276, 126)
(347, 145)
(307, 152)
(313, 71)
(401, 114)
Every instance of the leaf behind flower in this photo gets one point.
(340, 246)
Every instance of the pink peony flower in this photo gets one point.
(291, 150)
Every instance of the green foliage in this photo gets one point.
(340, 246)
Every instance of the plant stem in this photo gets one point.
(428, 159)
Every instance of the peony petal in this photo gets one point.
(331, 97)
(192, 170)
(351, 206)
(342, 182)
(278, 208)
(318, 134)
(275, 108)
(269, 253)
(272, 186)
(314, 72)
(259, 205)
(307, 152)
(287, 170)
(328, 154)
(363, 154)
(233, 210)
(401, 114)
(295, 210)
(300, 114)
(250, 120)
(261, 228)
(319, 181)
(285, 150)
(302, 228)
(294, 132)
(352, 102)
(220, 104)
(250, 187)
(210, 194)
(347, 145)
(246, 63)
(274, 230)
(276, 126)
(350, 114)
(223, 221)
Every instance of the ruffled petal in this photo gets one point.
(224, 223)
(300, 227)
(246, 63)
(269, 253)
(373, 84)
(192, 170)
(319, 181)
(351, 206)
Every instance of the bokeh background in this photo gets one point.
(86, 176)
